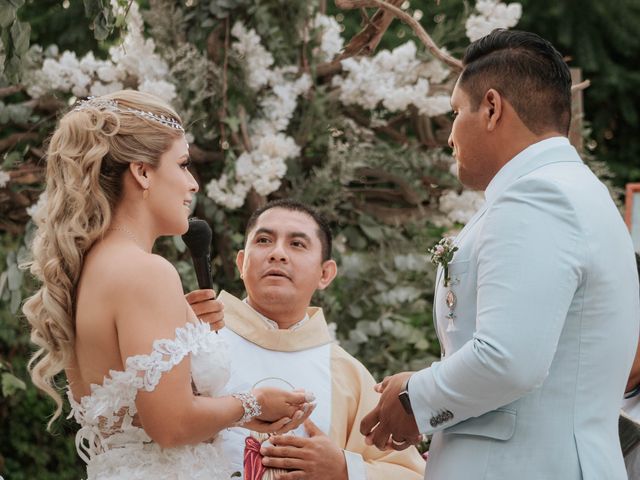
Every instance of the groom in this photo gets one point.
(538, 318)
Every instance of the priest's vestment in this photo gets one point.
(306, 357)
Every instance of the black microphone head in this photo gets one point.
(198, 237)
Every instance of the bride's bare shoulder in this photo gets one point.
(127, 267)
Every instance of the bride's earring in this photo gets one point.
(145, 194)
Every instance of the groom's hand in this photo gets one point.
(388, 426)
(313, 458)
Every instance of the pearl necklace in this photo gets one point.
(128, 233)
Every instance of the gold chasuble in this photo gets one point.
(306, 357)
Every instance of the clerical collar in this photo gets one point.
(274, 325)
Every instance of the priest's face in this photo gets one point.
(282, 266)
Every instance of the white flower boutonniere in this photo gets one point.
(442, 254)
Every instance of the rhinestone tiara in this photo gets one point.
(112, 106)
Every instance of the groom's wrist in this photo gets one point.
(404, 398)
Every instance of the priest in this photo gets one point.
(277, 339)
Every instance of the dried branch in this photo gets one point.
(395, 216)
(15, 138)
(352, 4)
(390, 7)
(421, 33)
(255, 200)
(580, 86)
(244, 130)
(223, 109)
(199, 155)
(403, 189)
(6, 91)
(386, 129)
(364, 42)
(367, 40)
(329, 68)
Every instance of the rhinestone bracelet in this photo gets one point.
(250, 405)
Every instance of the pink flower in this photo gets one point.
(439, 250)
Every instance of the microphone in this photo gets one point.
(198, 241)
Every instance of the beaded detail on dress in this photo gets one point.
(107, 417)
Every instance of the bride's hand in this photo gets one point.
(282, 425)
(281, 410)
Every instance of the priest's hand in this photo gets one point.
(313, 458)
(388, 425)
(206, 307)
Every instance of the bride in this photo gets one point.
(112, 315)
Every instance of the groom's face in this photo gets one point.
(468, 140)
(281, 264)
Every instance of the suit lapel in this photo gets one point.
(439, 272)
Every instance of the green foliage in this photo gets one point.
(15, 38)
(378, 187)
(27, 450)
(602, 39)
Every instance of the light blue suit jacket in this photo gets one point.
(545, 330)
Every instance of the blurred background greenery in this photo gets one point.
(380, 176)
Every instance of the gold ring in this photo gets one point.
(398, 443)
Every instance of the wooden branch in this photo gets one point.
(244, 129)
(393, 133)
(199, 155)
(352, 4)
(222, 113)
(404, 189)
(425, 38)
(395, 216)
(329, 68)
(214, 45)
(6, 91)
(27, 174)
(367, 40)
(580, 86)
(255, 201)
(15, 138)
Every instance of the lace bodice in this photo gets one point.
(107, 416)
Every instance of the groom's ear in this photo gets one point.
(492, 105)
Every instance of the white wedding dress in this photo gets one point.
(116, 449)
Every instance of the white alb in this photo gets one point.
(110, 440)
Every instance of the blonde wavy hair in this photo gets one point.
(86, 160)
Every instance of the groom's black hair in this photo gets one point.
(324, 231)
(527, 71)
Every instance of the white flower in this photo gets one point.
(459, 208)
(435, 70)
(399, 295)
(108, 73)
(99, 88)
(135, 58)
(4, 178)
(264, 167)
(394, 79)
(412, 262)
(257, 58)
(435, 105)
(492, 14)
(159, 88)
(331, 42)
(37, 210)
(231, 197)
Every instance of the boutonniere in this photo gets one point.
(442, 254)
